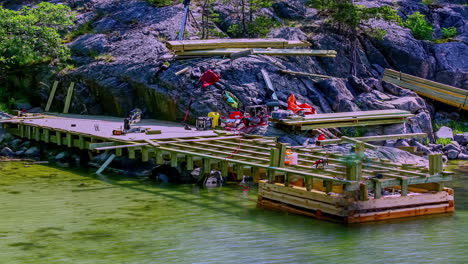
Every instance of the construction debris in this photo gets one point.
(440, 92)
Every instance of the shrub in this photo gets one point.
(419, 27)
(449, 32)
(443, 141)
(31, 35)
(160, 3)
(82, 29)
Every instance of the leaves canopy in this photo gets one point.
(31, 35)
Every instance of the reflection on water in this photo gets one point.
(51, 215)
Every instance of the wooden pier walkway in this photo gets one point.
(260, 157)
(440, 92)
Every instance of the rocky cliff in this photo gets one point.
(122, 62)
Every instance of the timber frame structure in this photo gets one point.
(351, 189)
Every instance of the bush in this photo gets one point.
(449, 32)
(31, 35)
(160, 3)
(419, 27)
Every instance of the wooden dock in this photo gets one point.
(440, 92)
(345, 119)
(338, 191)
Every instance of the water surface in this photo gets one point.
(54, 215)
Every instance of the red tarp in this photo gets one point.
(208, 78)
(293, 106)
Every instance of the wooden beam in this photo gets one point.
(373, 138)
(68, 98)
(51, 96)
(121, 146)
(306, 74)
(93, 146)
(106, 163)
(367, 145)
(268, 83)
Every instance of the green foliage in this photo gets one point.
(449, 32)
(350, 17)
(443, 141)
(420, 28)
(31, 35)
(107, 57)
(428, 2)
(85, 28)
(354, 131)
(160, 3)
(250, 23)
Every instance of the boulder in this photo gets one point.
(411, 104)
(452, 154)
(291, 9)
(420, 147)
(444, 132)
(451, 146)
(462, 139)
(462, 156)
(32, 152)
(338, 95)
(6, 152)
(61, 156)
(451, 69)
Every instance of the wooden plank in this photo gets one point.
(93, 146)
(68, 98)
(353, 124)
(46, 135)
(281, 154)
(268, 83)
(269, 52)
(106, 163)
(233, 43)
(121, 146)
(51, 96)
(373, 138)
(305, 74)
(354, 114)
(369, 146)
(198, 140)
(345, 119)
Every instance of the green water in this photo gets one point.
(52, 215)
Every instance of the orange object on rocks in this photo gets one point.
(295, 107)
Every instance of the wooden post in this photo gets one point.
(144, 154)
(271, 173)
(239, 171)
(131, 153)
(51, 96)
(404, 187)
(46, 135)
(118, 152)
(274, 157)
(354, 170)
(328, 186)
(435, 164)
(106, 163)
(58, 138)
(69, 140)
(21, 130)
(68, 98)
(81, 142)
(286, 179)
(174, 159)
(189, 160)
(360, 149)
(363, 192)
(206, 166)
(29, 130)
(309, 183)
(159, 157)
(224, 168)
(37, 133)
(282, 154)
(377, 189)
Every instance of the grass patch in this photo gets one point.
(85, 28)
(354, 131)
(443, 141)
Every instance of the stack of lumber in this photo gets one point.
(346, 119)
(229, 47)
(206, 44)
(440, 92)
